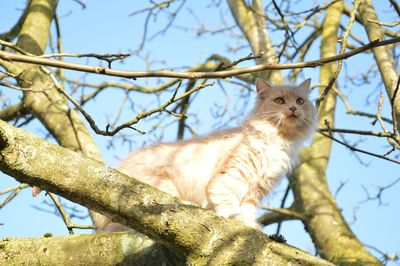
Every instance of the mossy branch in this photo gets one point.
(95, 249)
(198, 235)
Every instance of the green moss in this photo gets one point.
(48, 235)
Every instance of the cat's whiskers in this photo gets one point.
(279, 120)
(267, 114)
(276, 118)
(306, 123)
(275, 121)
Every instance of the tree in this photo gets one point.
(277, 36)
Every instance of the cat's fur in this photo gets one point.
(231, 170)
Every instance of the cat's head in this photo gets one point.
(286, 107)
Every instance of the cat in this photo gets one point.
(231, 170)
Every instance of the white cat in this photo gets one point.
(231, 170)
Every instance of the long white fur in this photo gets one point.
(230, 171)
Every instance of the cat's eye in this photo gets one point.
(279, 100)
(300, 101)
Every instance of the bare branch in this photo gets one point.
(385, 256)
(343, 42)
(282, 211)
(82, 3)
(351, 111)
(380, 23)
(190, 75)
(396, 6)
(65, 217)
(128, 124)
(14, 192)
(352, 148)
(378, 195)
(392, 101)
(13, 112)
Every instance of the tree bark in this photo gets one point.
(383, 55)
(197, 235)
(331, 235)
(42, 99)
(94, 249)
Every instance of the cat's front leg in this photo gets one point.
(226, 193)
(247, 214)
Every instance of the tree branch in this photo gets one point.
(109, 249)
(308, 182)
(197, 234)
(13, 112)
(383, 55)
(190, 75)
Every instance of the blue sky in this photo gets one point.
(106, 28)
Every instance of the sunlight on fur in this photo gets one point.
(230, 171)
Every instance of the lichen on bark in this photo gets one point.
(195, 234)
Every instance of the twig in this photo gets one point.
(20, 186)
(172, 17)
(385, 257)
(278, 228)
(161, 5)
(343, 42)
(378, 195)
(288, 32)
(81, 3)
(393, 139)
(12, 86)
(359, 150)
(65, 217)
(236, 62)
(313, 10)
(128, 124)
(109, 58)
(286, 212)
(350, 110)
(396, 6)
(392, 103)
(153, 11)
(15, 190)
(357, 132)
(184, 105)
(380, 23)
(341, 186)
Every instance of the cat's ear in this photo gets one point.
(304, 87)
(262, 86)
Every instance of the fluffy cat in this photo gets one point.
(231, 170)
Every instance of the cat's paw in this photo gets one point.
(249, 222)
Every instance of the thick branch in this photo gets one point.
(309, 185)
(199, 235)
(383, 55)
(43, 99)
(109, 249)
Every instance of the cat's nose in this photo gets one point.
(293, 108)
